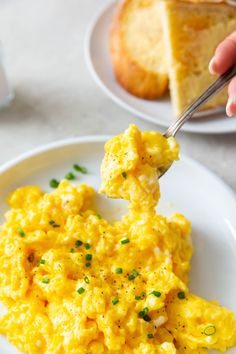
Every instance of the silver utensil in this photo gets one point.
(211, 91)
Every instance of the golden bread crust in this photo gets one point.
(192, 33)
(130, 73)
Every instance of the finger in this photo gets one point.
(231, 104)
(225, 55)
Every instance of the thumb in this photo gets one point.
(231, 104)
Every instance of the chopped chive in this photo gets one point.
(147, 318)
(72, 250)
(41, 261)
(99, 216)
(115, 301)
(54, 183)
(86, 279)
(124, 241)
(140, 297)
(78, 243)
(88, 264)
(51, 222)
(124, 174)
(133, 275)
(21, 232)
(70, 176)
(81, 290)
(88, 257)
(143, 312)
(56, 225)
(209, 330)
(150, 335)
(46, 280)
(119, 270)
(79, 168)
(155, 293)
(181, 295)
(87, 246)
(31, 258)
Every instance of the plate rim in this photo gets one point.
(141, 115)
(103, 138)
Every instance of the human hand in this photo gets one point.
(224, 58)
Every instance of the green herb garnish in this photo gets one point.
(124, 241)
(21, 232)
(78, 243)
(46, 280)
(181, 295)
(70, 176)
(147, 318)
(79, 168)
(115, 301)
(88, 257)
(209, 330)
(155, 293)
(133, 275)
(81, 290)
(54, 183)
(86, 279)
(124, 175)
(87, 246)
(150, 336)
(88, 264)
(138, 297)
(119, 270)
(144, 314)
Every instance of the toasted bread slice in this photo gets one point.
(137, 48)
(192, 32)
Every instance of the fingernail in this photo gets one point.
(212, 66)
(231, 106)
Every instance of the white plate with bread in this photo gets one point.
(137, 64)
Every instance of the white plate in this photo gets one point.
(188, 188)
(99, 63)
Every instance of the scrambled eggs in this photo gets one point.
(74, 284)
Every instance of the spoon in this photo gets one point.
(211, 91)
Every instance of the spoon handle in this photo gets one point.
(212, 90)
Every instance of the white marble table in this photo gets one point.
(55, 95)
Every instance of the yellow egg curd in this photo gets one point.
(73, 283)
